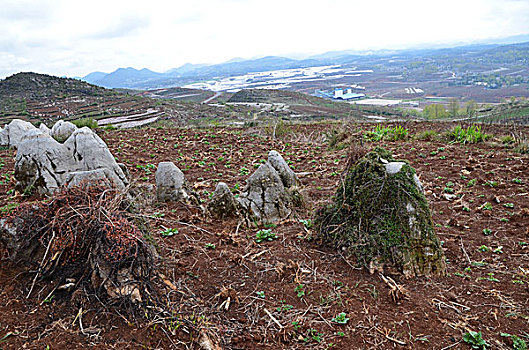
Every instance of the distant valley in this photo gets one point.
(484, 73)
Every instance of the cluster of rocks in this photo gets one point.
(379, 213)
(270, 195)
(47, 159)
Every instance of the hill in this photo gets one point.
(34, 86)
(44, 98)
(128, 78)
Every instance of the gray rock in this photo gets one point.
(288, 176)
(11, 135)
(45, 165)
(171, 184)
(223, 203)
(62, 130)
(92, 153)
(42, 164)
(33, 134)
(266, 198)
(381, 215)
(393, 167)
(15, 242)
(45, 129)
(103, 176)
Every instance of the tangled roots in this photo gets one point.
(82, 234)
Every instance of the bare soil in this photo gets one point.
(284, 294)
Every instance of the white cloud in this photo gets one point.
(74, 38)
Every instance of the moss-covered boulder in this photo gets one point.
(381, 216)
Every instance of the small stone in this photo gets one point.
(171, 184)
(449, 197)
(62, 130)
(222, 204)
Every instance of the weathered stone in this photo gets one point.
(171, 184)
(223, 203)
(62, 130)
(101, 176)
(11, 135)
(288, 177)
(271, 192)
(381, 216)
(44, 165)
(91, 153)
(45, 129)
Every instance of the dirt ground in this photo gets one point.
(213, 276)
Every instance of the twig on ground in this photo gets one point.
(273, 318)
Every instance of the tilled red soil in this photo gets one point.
(286, 292)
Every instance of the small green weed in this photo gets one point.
(299, 290)
(475, 339)
(517, 342)
(265, 235)
(340, 318)
(169, 232)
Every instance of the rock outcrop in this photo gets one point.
(271, 192)
(381, 216)
(62, 130)
(45, 165)
(12, 134)
(223, 204)
(171, 184)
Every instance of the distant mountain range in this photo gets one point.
(132, 78)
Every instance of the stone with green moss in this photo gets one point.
(381, 216)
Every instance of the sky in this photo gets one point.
(74, 38)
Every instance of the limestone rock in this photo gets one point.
(125, 170)
(171, 184)
(44, 165)
(11, 135)
(381, 216)
(62, 130)
(45, 129)
(271, 192)
(288, 177)
(92, 153)
(223, 203)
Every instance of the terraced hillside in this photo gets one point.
(43, 98)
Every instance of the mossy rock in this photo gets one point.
(381, 216)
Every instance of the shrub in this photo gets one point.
(522, 146)
(387, 133)
(472, 134)
(426, 135)
(278, 129)
(507, 140)
(90, 122)
(336, 138)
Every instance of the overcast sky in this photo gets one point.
(74, 38)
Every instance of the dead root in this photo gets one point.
(396, 291)
(81, 234)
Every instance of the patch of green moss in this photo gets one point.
(384, 217)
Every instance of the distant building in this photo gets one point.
(346, 94)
